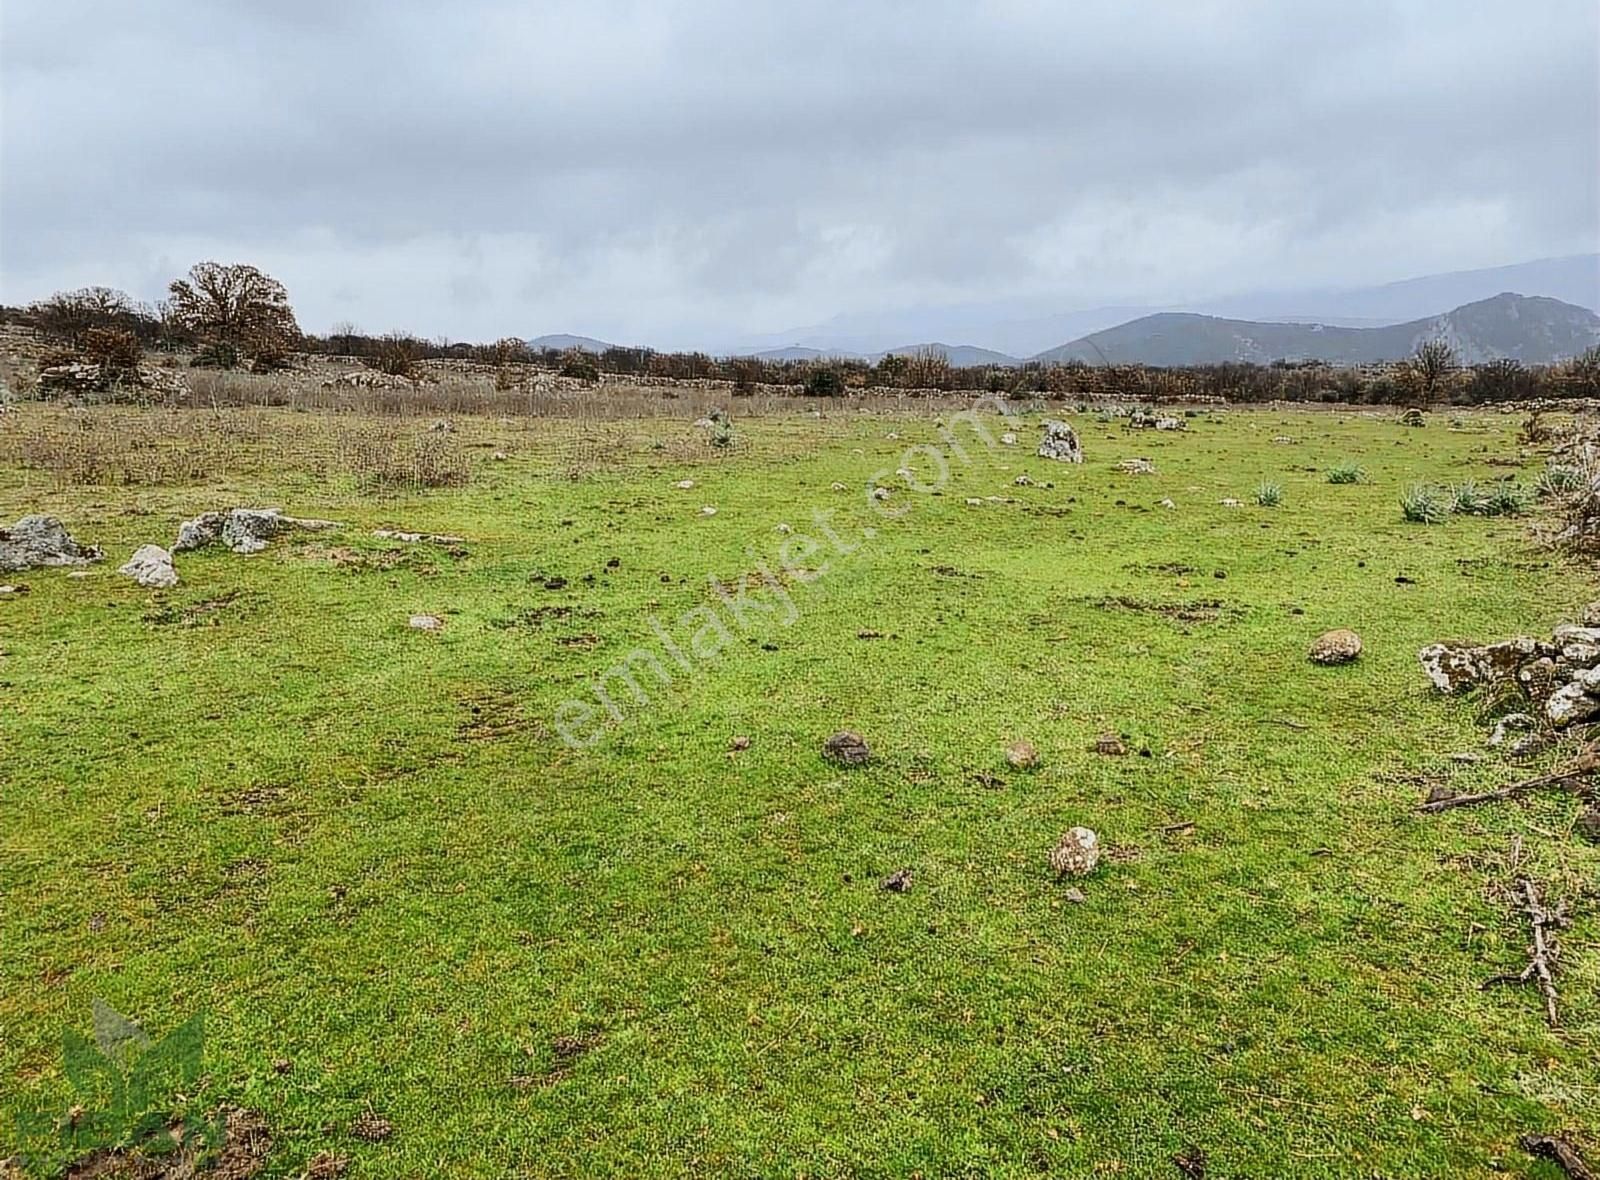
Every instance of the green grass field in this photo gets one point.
(367, 851)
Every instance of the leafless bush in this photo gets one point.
(380, 458)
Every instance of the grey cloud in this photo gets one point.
(688, 172)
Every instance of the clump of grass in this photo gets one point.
(1506, 499)
(1269, 495)
(1347, 472)
(1502, 498)
(1424, 504)
(1468, 499)
(1557, 480)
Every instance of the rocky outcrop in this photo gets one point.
(1061, 443)
(151, 567)
(243, 530)
(846, 748)
(1559, 677)
(41, 541)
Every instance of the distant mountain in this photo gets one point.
(960, 356)
(796, 353)
(561, 343)
(1022, 326)
(1531, 329)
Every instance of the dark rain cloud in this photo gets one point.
(689, 173)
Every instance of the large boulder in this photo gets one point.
(39, 541)
(1457, 667)
(243, 530)
(1336, 647)
(1569, 704)
(1061, 443)
(151, 566)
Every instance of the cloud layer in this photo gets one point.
(687, 173)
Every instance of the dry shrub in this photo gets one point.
(115, 350)
(379, 458)
(1577, 504)
(112, 446)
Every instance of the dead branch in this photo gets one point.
(1580, 767)
(1543, 952)
(1554, 1147)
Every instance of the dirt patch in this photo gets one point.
(1199, 610)
(370, 560)
(241, 1155)
(537, 616)
(206, 613)
(490, 713)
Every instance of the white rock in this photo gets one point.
(974, 503)
(1509, 724)
(1061, 443)
(1009, 438)
(1230, 503)
(708, 510)
(1570, 703)
(880, 493)
(1076, 854)
(425, 623)
(784, 529)
(1166, 504)
(151, 566)
(683, 485)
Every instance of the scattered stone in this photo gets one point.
(500, 456)
(1165, 504)
(443, 426)
(1060, 443)
(1076, 854)
(683, 485)
(784, 529)
(847, 748)
(1509, 724)
(1336, 647)
(839, 487)
(973, 502)
(12, 591)
(41, 541)
(1023, 481)
(898, 881)
(1110, 745)
(1438, 793)
(426, 623)
(1413, 417)
(1231, 503)
(708, 510)
(418, 538)
(1074, 895)
(880, 493)
(1022, 755)
(1587, 824)
(1137, 467)
(739, 743)
(151, 567)
(1008, 439)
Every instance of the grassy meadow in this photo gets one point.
(370, 855)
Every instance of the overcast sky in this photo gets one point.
(683, 172)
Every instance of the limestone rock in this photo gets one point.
(41, 541)
(243, 530)
(1137, 467)
(1456, 667)
(1076, 854)
(1060, 443)
(1022, 754)
(425, 623)
(847, 748)
(151, 567)
(1509, 724)
(1336, 647)
(1110, 745)
(1569, 704)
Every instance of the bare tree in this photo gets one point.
(236, 311)
(70, 315)
(1430, 371)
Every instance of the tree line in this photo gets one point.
(236, 316)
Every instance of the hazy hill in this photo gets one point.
(561, 342)
(1532, 329)
(960, 356)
